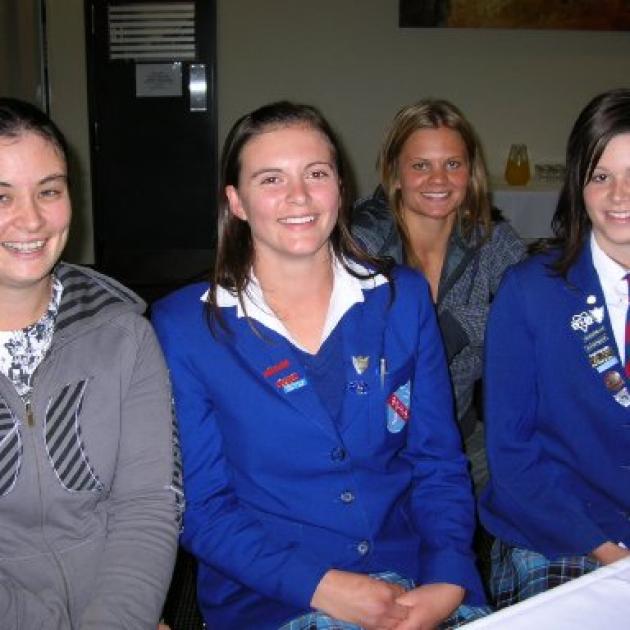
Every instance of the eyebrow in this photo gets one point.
(261, 171)
(450, 157)
(271, 169)
(53, 177)
(324, 162)
(44, 180)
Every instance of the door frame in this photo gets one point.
(206, 51)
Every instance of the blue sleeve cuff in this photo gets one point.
(453, 568)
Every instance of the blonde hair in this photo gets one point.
(475, 213)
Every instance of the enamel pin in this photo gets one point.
(623, 397)
(603, 359)
(582, 321)
(360, 363)
(597, 313)
(358, 387)
(613, 381)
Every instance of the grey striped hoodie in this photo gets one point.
(90, 479)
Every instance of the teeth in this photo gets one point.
(298, 220)
(436, 195)
(621, 215)
(31, 246)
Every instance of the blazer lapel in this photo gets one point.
(591, 325)
(364, 361)
(273, 360)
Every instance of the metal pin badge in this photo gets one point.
(360, 363)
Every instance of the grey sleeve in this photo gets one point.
(374, 228)
(465, 323)
(507, 249)
(144, 507)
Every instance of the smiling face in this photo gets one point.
(433, 174)
(607, 199)
(34, 211)
(288, 192)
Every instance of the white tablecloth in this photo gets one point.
(597, 601)
(528, 208)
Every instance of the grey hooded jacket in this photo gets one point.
(90, 481)
(470, 277)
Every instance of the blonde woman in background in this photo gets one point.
(432, 212)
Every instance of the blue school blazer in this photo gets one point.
(557, 428)
(278, 492)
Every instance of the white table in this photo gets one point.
(597, 601)
(528, 208)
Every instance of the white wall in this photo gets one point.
(350, 58)
(20, 76)
(69, 109)
(20, 50)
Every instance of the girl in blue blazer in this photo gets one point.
(557, 377)
(322, 465)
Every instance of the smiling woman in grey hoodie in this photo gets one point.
(89, 480)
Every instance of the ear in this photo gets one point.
(234, 203)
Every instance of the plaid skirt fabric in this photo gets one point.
(319, 621)
(517, 573)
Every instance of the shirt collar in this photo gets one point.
(611, 273)
(347, 291)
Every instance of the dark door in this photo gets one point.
(153, 138)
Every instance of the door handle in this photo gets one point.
(198, 87)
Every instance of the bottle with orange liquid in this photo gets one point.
(517, 171)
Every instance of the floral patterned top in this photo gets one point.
(21, 351)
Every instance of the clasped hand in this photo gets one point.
(377, 605)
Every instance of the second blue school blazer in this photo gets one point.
(557, 414)
(278, 492)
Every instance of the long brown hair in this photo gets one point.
(235, 248)
(429, 113)
(605, 117)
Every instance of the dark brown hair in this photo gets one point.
(18, 117)
(235, 248)
(605, 117)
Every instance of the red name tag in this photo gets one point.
(398, 406)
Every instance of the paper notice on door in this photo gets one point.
(158, 79)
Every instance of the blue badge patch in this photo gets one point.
(289, 387)
(398, 408)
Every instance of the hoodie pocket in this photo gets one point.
(64, 444)
(10, 449)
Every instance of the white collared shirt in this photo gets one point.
(347, 291)
(615, 288)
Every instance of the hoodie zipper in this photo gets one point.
(28, 406)
(30, 417)
(30, 422)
